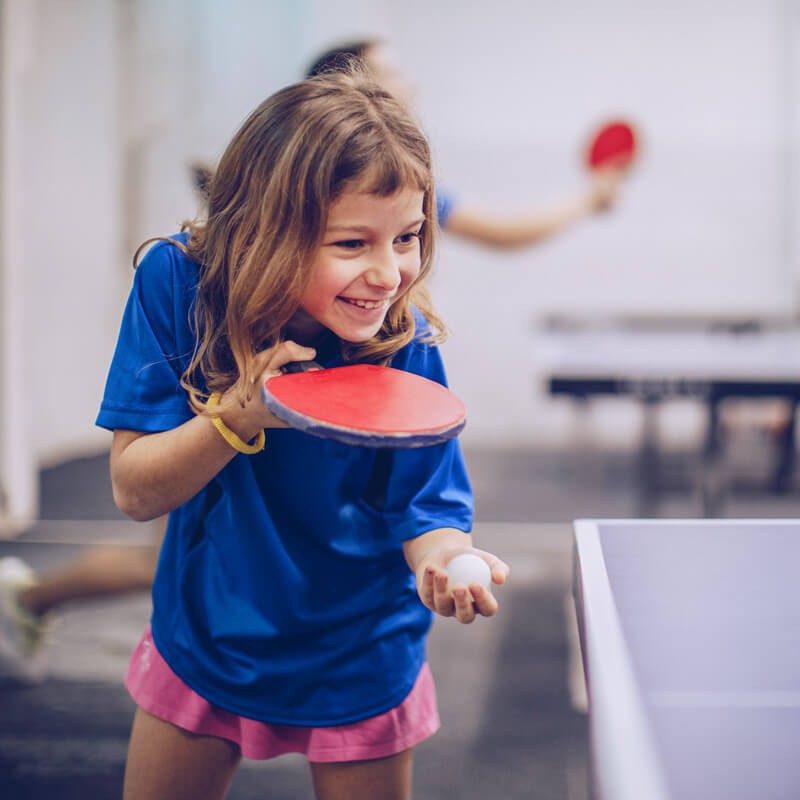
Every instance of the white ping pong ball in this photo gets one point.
(468, 568)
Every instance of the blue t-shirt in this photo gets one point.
(282, 593)
(444, 207)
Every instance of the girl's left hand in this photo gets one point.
(459, 601)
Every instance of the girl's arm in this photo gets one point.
(153, 473)
(427, 557)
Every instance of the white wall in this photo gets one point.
(69, 198)
(103, 105)
(702, 224)
(193, 70)
(107, 102)
(60, 232)
(706, 225)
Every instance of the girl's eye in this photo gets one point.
(407, 238)
(349, 244)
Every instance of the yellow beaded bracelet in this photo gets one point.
(230, 437)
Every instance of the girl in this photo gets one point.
(297, 576)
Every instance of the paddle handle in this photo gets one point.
(300, 366)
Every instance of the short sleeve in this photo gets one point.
(428, 487)
(444, 207)
(155, 343)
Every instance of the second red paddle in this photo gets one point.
(613, 145)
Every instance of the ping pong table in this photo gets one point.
(653, 364)
(690, 635)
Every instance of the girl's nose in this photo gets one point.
(384, 271)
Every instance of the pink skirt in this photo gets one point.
(158, 690)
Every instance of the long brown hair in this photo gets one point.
(267, 209)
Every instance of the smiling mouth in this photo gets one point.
(368, 305)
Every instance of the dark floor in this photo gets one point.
(509, 727)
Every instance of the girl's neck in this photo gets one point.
(304, 329)
(323, 340)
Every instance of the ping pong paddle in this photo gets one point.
(614, 145)
(364, 404)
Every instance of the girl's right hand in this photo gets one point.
(247, 419)
(153, 473)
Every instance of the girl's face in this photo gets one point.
(369, 257)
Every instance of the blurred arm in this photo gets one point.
(512, 231)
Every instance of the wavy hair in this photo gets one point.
(268, 205)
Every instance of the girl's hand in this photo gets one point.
(153, 473)
(248, 419)
(458, 600)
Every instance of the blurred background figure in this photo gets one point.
(29, 601)
(501, 230)
(472, 223)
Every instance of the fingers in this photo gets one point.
(459, 600)
(425, 588)
(249, 412)
(500, 572)
(269, 362)
(434, 593)
(464, 610)
(499, 569)
(483, 600)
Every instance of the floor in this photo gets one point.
(509, 694)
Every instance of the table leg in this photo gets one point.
(648, 460)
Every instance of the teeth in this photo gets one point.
(366, 304)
